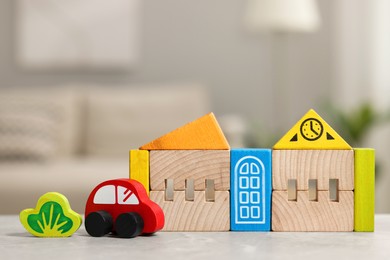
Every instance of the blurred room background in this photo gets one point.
(82, 82)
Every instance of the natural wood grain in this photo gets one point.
(203, 133)
(305, 215)
(322, 165)
(198, 165)
(139, 167)
(197, 215)
(364, 189)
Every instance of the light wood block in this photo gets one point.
(201, 134)
(364, 189)
(311, 132)
(305, 215)
(196, 215)
(198, 165)
(139, 167)
(322, 165)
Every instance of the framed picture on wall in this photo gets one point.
(73, 34)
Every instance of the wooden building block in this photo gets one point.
(201, 134)
(139, 167)
(305, 215)
(52, 217)
(197, 165)
(312, 132)
(196, 215)
(322, 165)
(250, 190)
(364, 189)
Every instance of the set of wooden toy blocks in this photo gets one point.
(311, 180)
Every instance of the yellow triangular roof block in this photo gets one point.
(311, 132)
(201, 134)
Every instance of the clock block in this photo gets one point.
(312, 132)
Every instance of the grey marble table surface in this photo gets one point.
(16, 243)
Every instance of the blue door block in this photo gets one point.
(250, 189)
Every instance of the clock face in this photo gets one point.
(311, 129)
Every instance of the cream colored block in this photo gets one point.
(198, 165)
(306, 215)
(196, 215)
(303, 165)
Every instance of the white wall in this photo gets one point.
(203, 41)
(361, 43)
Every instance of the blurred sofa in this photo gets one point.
(69, 139)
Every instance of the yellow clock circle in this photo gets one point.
(312, 129)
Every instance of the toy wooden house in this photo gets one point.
(319, 182)
(312, 178)
(201, 184)
(189, 171)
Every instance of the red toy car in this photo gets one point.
(122, 206)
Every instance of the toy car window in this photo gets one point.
(126, 196)
(105, 195)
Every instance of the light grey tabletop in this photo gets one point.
(16, 243)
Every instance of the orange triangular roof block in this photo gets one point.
(311, 132)
(201, 134)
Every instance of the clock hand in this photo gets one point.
(312, 128)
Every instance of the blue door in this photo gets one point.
(249, 174)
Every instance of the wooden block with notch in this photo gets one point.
(364, 189)
(201, 134)
(313, 190)
(304, 214)
(251, 190)
(139, 167)
(196, 165)
(321, 165)
(197, 214)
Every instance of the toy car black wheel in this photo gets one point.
(129, 225)
(98, 223)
